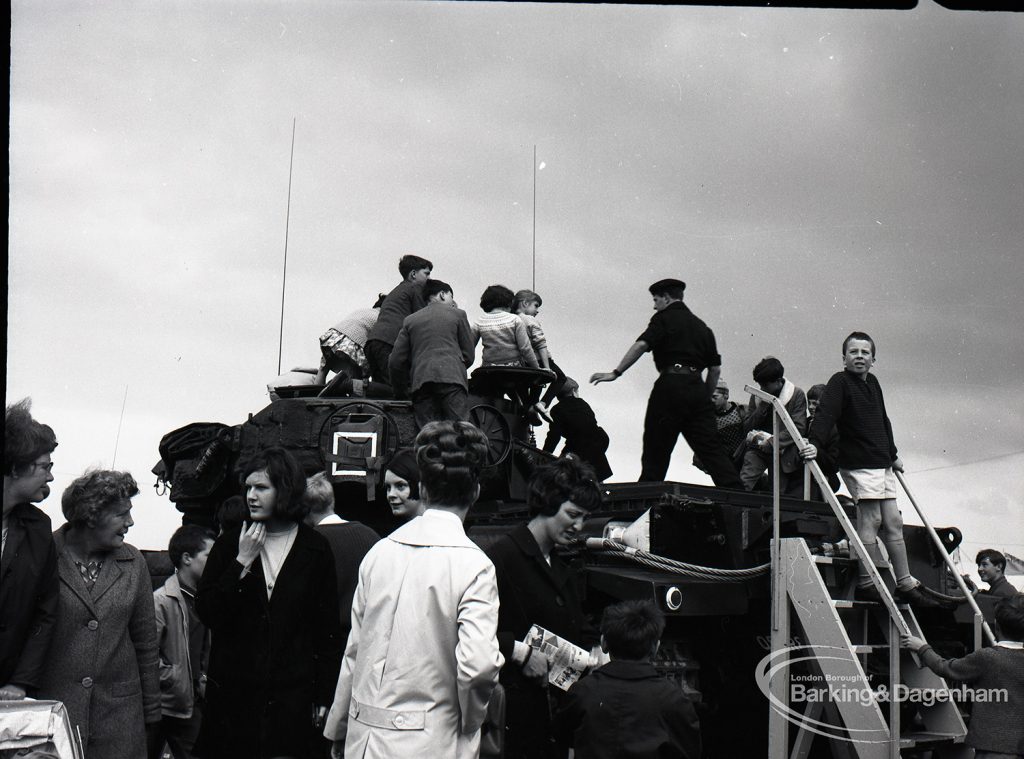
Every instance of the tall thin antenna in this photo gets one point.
(284, 274)
(533, 286)
(117, 438)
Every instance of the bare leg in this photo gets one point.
(892, 535)
(869, 520)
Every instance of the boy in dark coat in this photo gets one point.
(997, 671)
(625, 708)
(407, 298)
(573, 419)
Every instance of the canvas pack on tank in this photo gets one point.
(699, 552)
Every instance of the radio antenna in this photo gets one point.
(533, 286)
(284, 274)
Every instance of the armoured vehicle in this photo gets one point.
(704, 551)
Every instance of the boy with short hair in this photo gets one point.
(184, 644)
(854, 405)
(991, 569)
(407, 298)
(994, 731)
(625, 708)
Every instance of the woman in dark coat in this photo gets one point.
(103, 657)
(269, 597)
(535, 586)
(28, 559)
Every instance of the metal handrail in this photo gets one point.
(949, 561)
(851, 533)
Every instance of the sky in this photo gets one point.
(806, 172)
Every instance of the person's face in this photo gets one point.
(774, 387)
(260, 496)
(988, 571)
(530, 309)
(812, 406)
(858, 358)
(661, 302)
(398, 492)
(720, 399)
(565, 526)
(111, 528)
(197, 563)
(31, 487)
(419, 276)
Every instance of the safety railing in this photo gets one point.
(782, 416)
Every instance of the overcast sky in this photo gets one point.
(806, 172)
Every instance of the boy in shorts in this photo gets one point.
(854, 405)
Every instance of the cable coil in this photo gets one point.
(607, 547)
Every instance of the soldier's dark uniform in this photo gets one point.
(683, 346)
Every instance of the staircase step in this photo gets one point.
(841, 561)
(866, 649)
(846, 603)
(925, 740)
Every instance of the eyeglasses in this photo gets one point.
(48, 466)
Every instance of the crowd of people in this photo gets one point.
(293, 633)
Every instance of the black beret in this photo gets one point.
(664, 284)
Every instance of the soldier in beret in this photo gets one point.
(680, 402)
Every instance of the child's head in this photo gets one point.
(858, 353)
(991, 564)
(436, 289)
(528, 302)
(769, 374)
(568, 389)
(319, 497)
(814, 398)
(497, 298)
(632, 630)
(1010, 617)
(721, 395)
(231, 513)
(189, 547)
(414, 269)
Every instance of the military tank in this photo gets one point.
(710, 546)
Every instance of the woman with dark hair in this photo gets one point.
(28, 559)
(269, 597)
(102, 661)
(535, 586)
(402, 484)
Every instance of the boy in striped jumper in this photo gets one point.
(506, 341)
(853, 403)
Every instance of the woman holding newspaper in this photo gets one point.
(536, 587)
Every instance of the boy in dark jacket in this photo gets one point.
(573, 419)
(625, 708)
(407, 298)
(854, 405)
(998, 672)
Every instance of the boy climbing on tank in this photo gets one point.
(853, 403)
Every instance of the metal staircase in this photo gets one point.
(837, 680)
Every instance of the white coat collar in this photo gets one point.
(437, 527)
